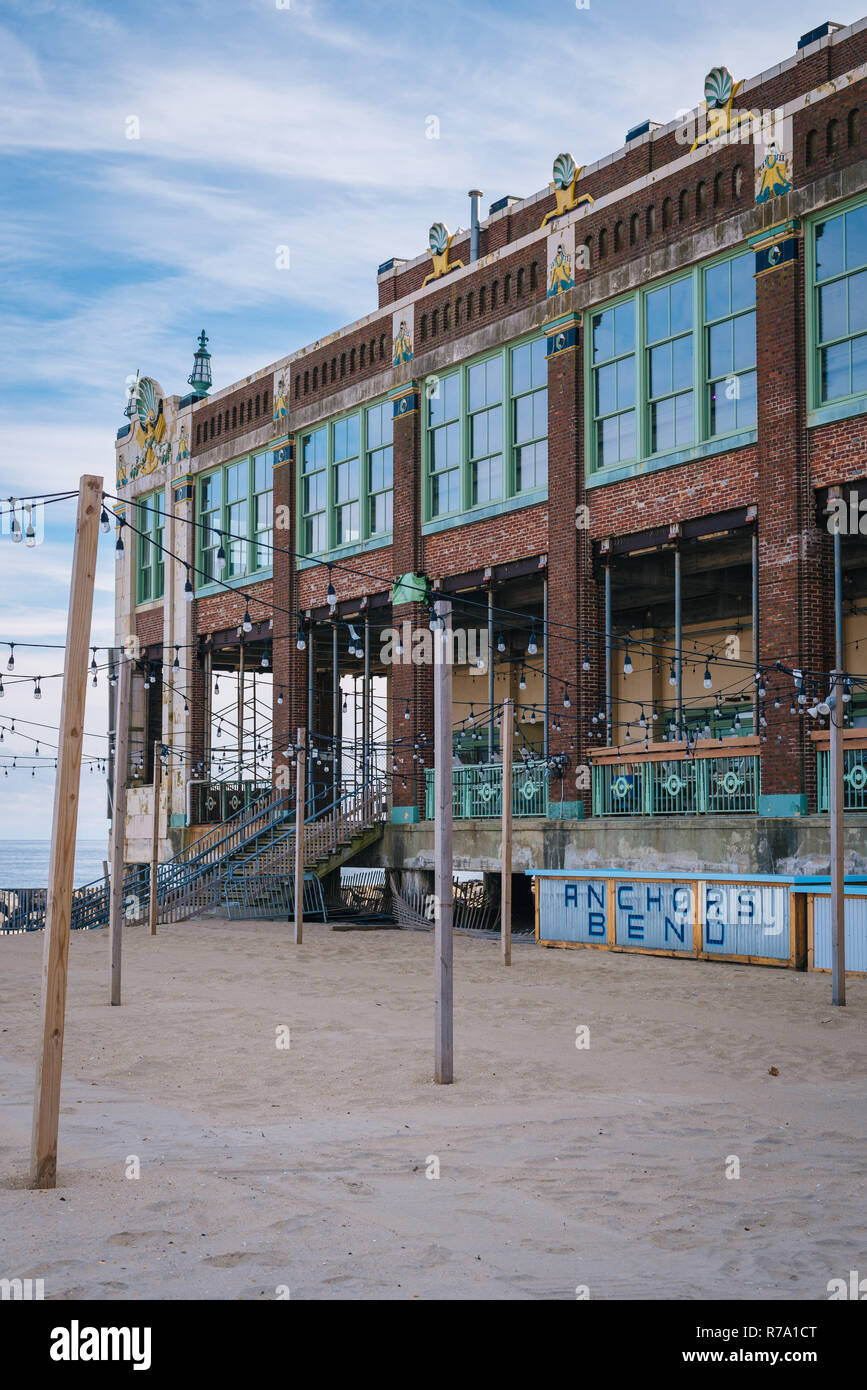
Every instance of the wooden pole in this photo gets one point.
(300, 785)
(506, 860)
(155, 842)
(838, 898)
(55, 949)
(443, 869)
(118, 825)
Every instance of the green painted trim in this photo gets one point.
(782, 804)
(404, 815)
(778, 232)
(375, 543)
(721, 444)
(513, 504)
(565, 810)
(242, 581)
(840, 410)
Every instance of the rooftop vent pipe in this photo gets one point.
(475, 196)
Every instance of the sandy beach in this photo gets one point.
(266, 1169)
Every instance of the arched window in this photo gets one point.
(265, 402)
(737, 181)
(351, 361)
(446, 318)
(520, 285)
(618, 236)
(362, 356)
(853, 127)
(333, 370)
(435, 323)
(495, 290)
(234, 417)
(306, 382)
(471, 299)
(683, 205)
(603, 243)
(422, 330)
(650, 220)
(198, 433)
(211, 430)
(459, 308)
(832, 137)
(719, 192)
(226, 422)
(507, 289)
(382, 348)
(258, 403)
(241, 413)
(297, 386)
(633, 229)
(315, 378)
(534, 275)
(812, 147)
(701, 197)
(667, 212)
(219, 422)
(372, 351)
(483, 300)
(343, 364)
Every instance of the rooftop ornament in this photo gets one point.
(200, 376)
(566, 175)
(720, 91)
(439, 242)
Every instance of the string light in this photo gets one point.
(627, 660)
(105, 524)
(10, 664)
(188, 586)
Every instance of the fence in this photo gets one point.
(677, 787)
(477, 791)
(854, 778)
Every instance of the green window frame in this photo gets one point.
(346, 481)
(837, 295)
(235, 513)
(672, 366)
(150, 557)
(379, 468)
(485, 431)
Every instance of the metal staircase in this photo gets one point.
(244, 861)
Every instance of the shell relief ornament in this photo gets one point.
(150, 429)
(439, 242)
(720, 90)
(565, 176)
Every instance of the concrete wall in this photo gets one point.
(716, 844)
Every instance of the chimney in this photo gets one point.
(475, 196)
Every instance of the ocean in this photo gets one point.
(24, 863)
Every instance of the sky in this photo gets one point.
(155, 157)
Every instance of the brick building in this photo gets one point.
(610, 422)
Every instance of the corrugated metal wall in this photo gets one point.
(856, 933)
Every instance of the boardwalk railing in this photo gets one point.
(477, 791)
(668, 782)
(854, 779)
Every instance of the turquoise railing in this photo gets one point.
(854, 779)
(477, 791)
(677, 787)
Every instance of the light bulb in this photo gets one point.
(707, 682)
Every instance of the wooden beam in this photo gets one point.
(118, 826)
(155, 842)
(55, 957)
(443, 868)
(300, 785)
(506, 859)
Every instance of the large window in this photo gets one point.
(840, 306)
(380, 468)
(486, 431)
(673, 365)
(235, 519)
(314, 492)
(150, 566)
(529, 367)
(346, 481)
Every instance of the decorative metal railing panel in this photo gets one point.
(214, 802)
(477, 791)
(854, 779)
(677, 787)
